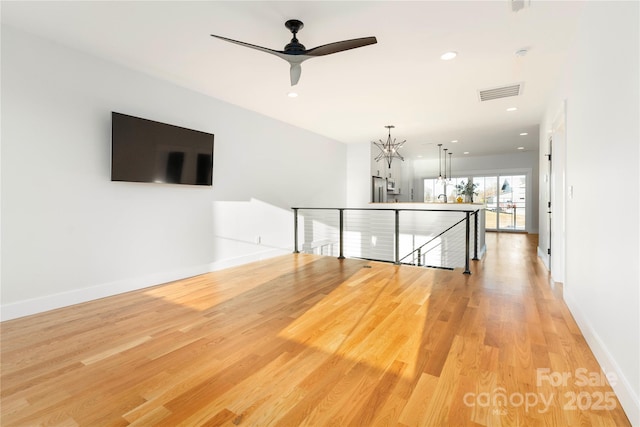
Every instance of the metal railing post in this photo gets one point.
(421, 251)
(341, 234)
(475, 238)
(466, 243)
(397, 234)
(295, 231)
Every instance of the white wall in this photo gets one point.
(358, 175)
(69, 234)
(602, 279)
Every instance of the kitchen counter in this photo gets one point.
(438, 206)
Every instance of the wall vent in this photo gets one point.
(500, 92)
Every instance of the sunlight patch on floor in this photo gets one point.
(356, 321)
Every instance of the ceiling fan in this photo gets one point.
(295, 53)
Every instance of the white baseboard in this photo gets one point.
(481, 251)
(245, 259)
(77, 296)
(628, 399)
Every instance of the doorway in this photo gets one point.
(557, 198)
(505, 199)
(549, 198)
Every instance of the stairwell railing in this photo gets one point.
(426, 237)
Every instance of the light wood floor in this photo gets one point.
(310, 340)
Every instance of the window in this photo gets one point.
(433, 189)
(504, 197)
(512, 202)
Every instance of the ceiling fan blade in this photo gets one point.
(294, 52)
(293, 60)
(336, 47)
(295, 72)
(252, 46)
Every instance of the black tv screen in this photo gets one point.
(147, 151)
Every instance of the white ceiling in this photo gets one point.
(349, 96)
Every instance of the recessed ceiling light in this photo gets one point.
(524, 134)
(511, 109)
(448, 56)
(419, 156)
(466, 152)
(520, 148)
(453, 141)
(292, 95)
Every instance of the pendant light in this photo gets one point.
(445, 164)
(440, 163)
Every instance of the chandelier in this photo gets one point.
(389, 149)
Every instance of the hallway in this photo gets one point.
(312, 340)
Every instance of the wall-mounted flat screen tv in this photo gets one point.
(147, 151)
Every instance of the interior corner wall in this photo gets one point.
(602, 248)
(70, 235)
(358, 175)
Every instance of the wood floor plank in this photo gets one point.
(310, 340)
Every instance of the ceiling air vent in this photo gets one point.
(500, 92)
(517, 5)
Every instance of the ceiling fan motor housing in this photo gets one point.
(294, 47)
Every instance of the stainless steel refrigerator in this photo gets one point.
(378, 189)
